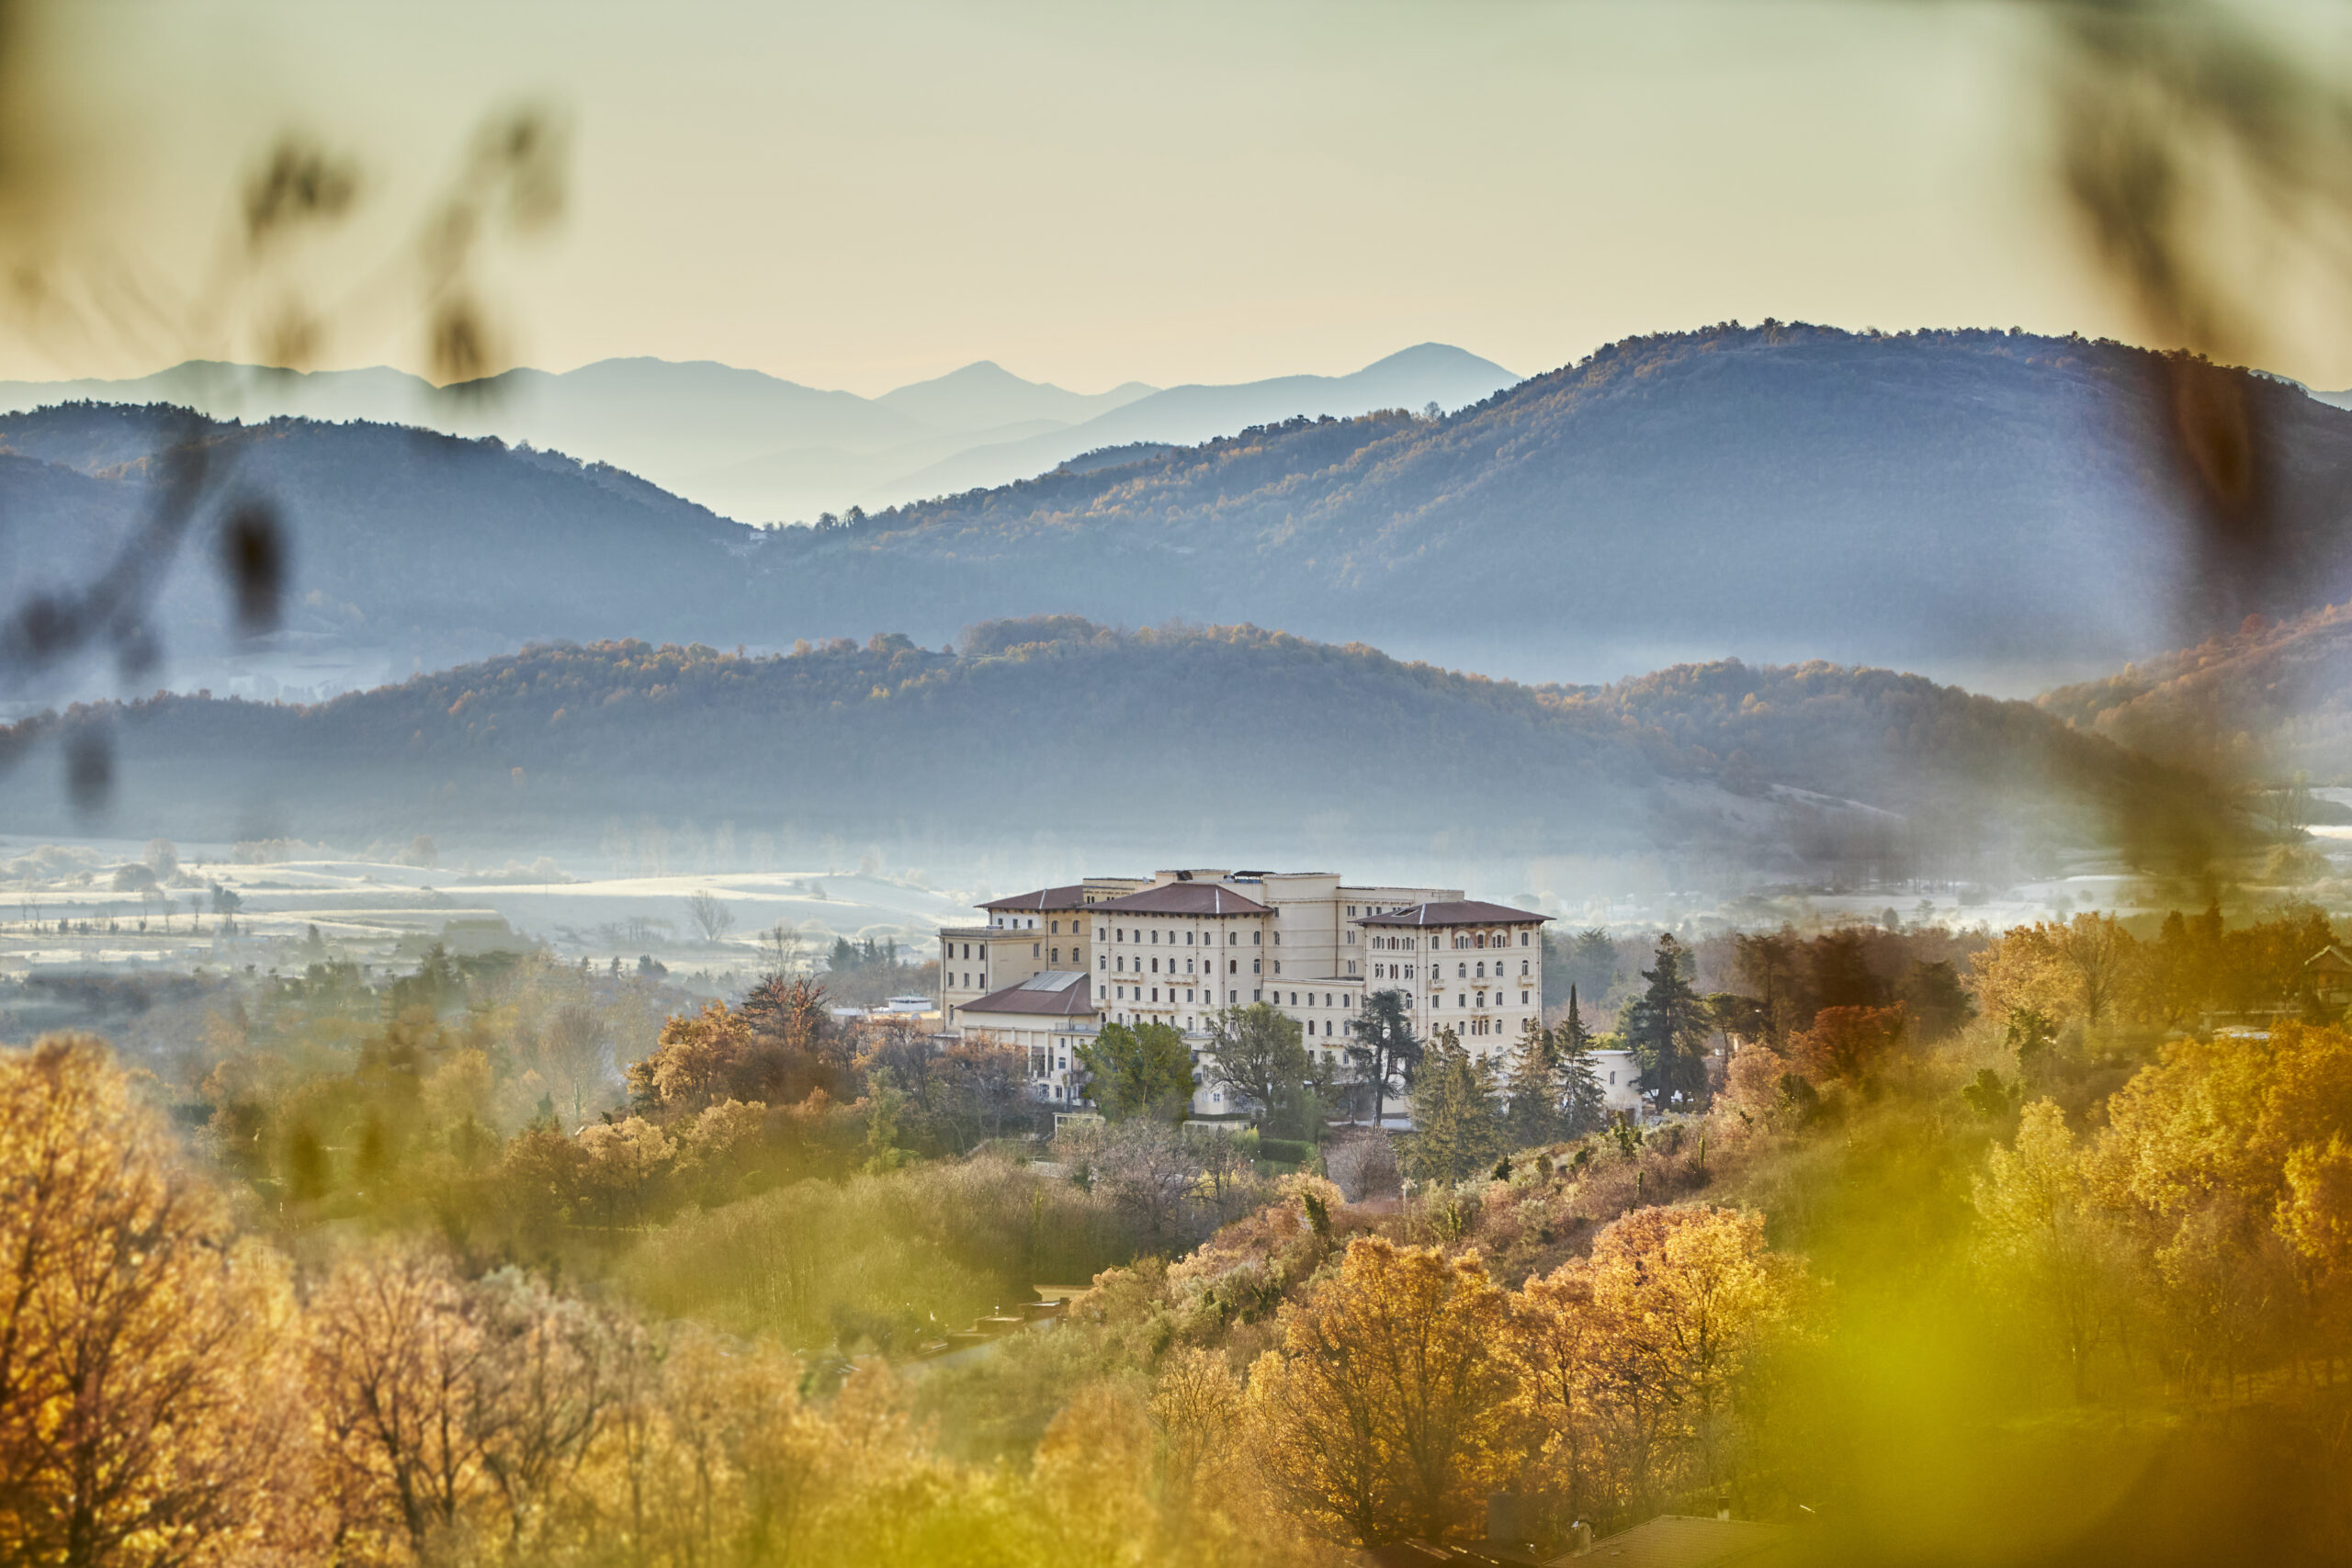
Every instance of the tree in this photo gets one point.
(1532, 1093)
(2040, 1239)
(1458, 1129)
(1583, 1103)
(698, 1060)
(1144, 1070)
(1380, 1415)
(1383, 1048)
(1847, 1045)
(144, 1416)
(710, 914)
(1666, 1028)
(1258, 1056)
(1591, 962)
(1629, 1360)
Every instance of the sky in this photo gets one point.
(860, 197)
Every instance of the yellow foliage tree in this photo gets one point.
(1384, 1414)
(143, 1410)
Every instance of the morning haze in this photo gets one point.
(1337, 787)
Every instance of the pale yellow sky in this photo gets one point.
(863, 195)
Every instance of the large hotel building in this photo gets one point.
(1044, 969)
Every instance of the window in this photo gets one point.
(1188, 939)
(1257, 939)
(1233, 966)
(1058, 928)
(1482, 971)
(1154, 936)
(1352, 966)
(1234, 997)
(1257, 995)
(1351, 911)
(1057, 955)
(1462, 971)
(1036, 948)
(1255, 965)
(1278, 965)
(1523, 965)
(1523, 999)
(1522, 939)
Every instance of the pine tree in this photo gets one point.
(1381, 1045)
(1532, 1089)
(1667, 1027)
(1582, 1106)
(1457, 1124)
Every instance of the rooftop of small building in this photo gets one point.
(1457, 912)
(1051, 993)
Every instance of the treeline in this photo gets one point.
(1809, 769)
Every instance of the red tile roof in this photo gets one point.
(1070, 897)
(1185, 898)
(1457, 913)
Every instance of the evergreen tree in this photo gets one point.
(1666, 1028)
(1532, 1090)
(1140, 1071)
(1578, 1096)
(1457, 1124)
(1383, 1048)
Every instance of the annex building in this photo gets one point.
(1044, 970)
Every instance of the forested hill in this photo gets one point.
(405, 546)
(1973, 502)
(2265, 700)
(1217, 742)
(1981, 506)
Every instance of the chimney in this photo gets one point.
(1506, 1518)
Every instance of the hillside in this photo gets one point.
(1977, 505)
(406, 547)
(2266, 700)
(1225, 742)
(1988, 509)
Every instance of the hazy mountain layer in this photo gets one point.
(1970, 506)
(759, 448)
(1210, 743)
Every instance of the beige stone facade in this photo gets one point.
(1182, 945)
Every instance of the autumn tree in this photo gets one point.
(1381, 1416)
(1631, 1362)
(145, 1414)
(1847, 1045)
(2042, 1241)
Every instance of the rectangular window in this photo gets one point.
(1257, 995)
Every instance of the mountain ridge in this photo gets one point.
(1721, 770)
(756, 448)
